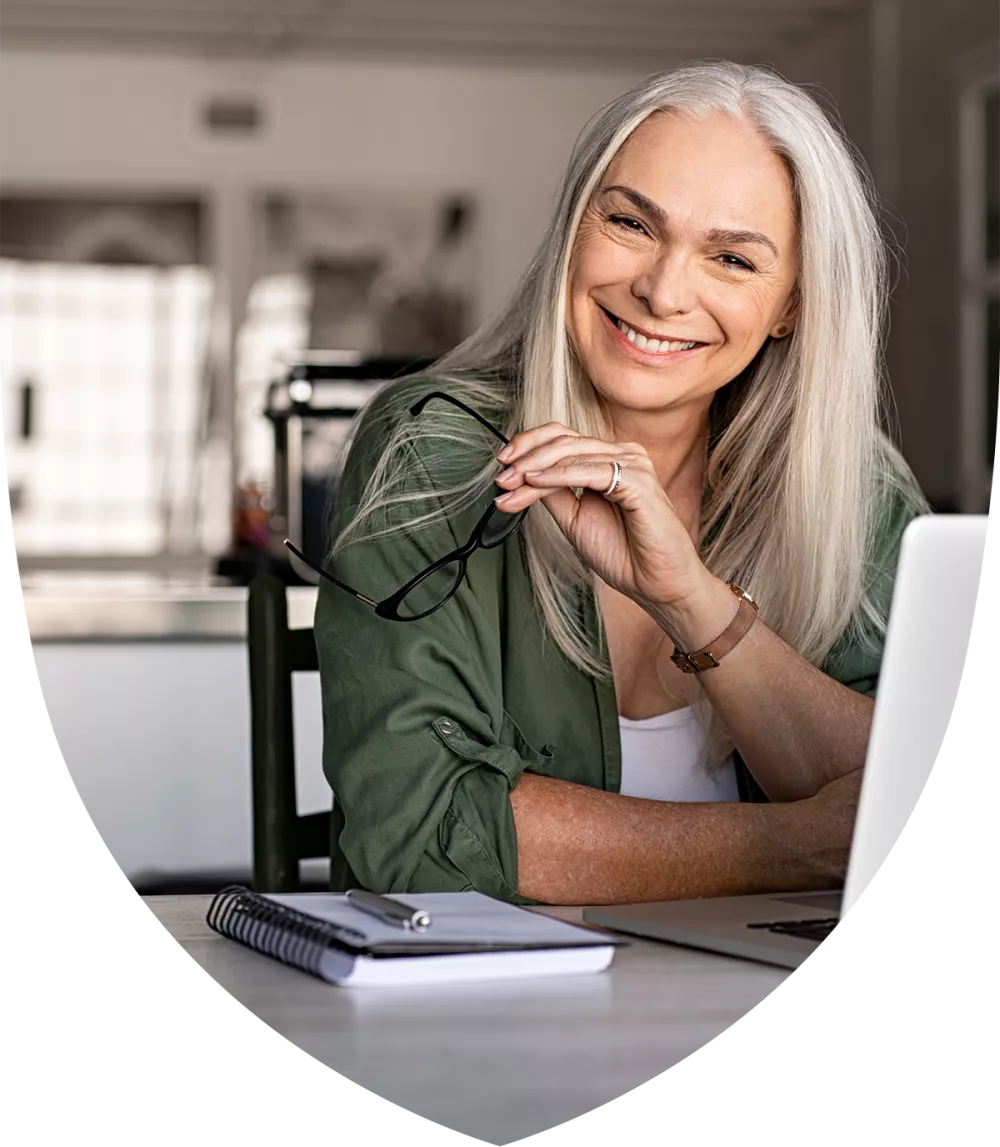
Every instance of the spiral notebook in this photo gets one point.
(471, 937)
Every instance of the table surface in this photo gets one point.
(502, 1060)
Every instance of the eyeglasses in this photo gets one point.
(432, 587)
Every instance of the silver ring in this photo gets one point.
(614, 481)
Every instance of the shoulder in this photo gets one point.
(414, 456)
(900, 501)
(411, 428)
(381, 417)
(856, 658)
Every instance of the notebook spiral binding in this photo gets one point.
(276, 930)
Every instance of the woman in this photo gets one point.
(689, 379)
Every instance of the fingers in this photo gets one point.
(562, 448)
(593, 472)
(552, 457)
(559, 500)
(529, 439)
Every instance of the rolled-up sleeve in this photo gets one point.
(417, 748)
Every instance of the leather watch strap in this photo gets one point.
(709, 656)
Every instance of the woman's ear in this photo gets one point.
(786, 323)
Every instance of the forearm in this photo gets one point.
(795, 728)
(578, 845)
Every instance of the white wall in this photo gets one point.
(502, 132)
(156, 736)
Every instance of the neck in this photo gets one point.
(675, 439)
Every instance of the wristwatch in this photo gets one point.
(709, 656)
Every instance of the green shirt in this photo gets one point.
(429, 724)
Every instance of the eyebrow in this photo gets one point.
(716, 235)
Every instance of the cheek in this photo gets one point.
(580, 313)
(597, 262)
(745, 315)
(582, 270)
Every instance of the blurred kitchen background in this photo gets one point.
(223, 223)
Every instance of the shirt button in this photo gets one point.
(447, 726)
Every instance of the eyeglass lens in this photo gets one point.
(436, 586)
(430, 591)
(499, 527)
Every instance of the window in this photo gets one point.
(275, 325)
(104, 315)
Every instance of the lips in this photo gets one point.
(638, 340)
(651, 334)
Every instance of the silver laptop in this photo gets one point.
(929, 625)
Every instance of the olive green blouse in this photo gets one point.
(429, 724)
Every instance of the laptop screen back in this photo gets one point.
(929, 625)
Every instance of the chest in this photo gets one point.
(647, 683)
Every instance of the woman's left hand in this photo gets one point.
(633, 539)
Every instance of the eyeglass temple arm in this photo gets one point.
(329, 577)
(418, 406)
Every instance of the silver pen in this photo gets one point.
(389, 911)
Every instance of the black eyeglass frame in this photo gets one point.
(389, 606)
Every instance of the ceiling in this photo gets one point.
(612, 31)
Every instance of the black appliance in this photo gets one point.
(312, 409)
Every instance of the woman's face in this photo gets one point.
(684, 263)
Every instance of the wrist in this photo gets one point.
(779, 847)
(698, 617)
(812, 845)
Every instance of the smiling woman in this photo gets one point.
(662, 685)
(694, 263)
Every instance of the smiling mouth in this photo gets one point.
(649, 343)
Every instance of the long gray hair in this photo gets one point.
(798, 462)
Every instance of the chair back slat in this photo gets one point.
(312, 836)
(301, 647)
(280, 836)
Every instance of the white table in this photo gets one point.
(498, 1061)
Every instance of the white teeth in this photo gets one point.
(652, 346)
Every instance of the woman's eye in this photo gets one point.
(735, 261)
(627, 223)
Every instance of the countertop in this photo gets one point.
(143, 608)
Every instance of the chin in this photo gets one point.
(635, 389)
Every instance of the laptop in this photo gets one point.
(930, 621)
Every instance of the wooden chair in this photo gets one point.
(281, 838)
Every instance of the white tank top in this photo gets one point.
(662, 760)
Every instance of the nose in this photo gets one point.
(665, 284)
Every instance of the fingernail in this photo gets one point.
(531, 473)
(506, 474)
(505, 453)
(504, 497)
